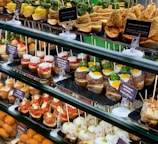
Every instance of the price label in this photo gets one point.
(128, 91)
(18, 93)
(18, 6)
(62, 63)
(136, 27)
(11, 49)
(120, 141)
(21, 129)
(67, 14)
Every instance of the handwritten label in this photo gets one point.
(11, 49)
(18, 93)
(127, 91)
(62, 63)
(136, 27)
(67, 14)
(120, 141)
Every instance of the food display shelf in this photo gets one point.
(118, 57)
(126, 124)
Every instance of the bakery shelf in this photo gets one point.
(141, 63)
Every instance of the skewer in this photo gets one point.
(81, 40)
(71, 52)
(146, 94)
(67, 112)
(0, 33)
(141, 97)
(45, 53)
(154, 87)
(129, 3)
(57, 50)
(48, 48)
(26, 44)
(35, 47)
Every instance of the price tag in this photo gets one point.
(127, 91)
(136, 27)
(11, 49)
(120, 141)
(67, 14)
(18, 6)
(18, 93)
(62, 63)
(21, 129)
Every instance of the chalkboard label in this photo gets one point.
(136, 27)
(127, 91)
(11, 49)
(62, 63)
(18, 93)
(18, 6)
(67, 14)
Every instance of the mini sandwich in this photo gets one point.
(24, 106)
(112, 87)
(95, 80)
(81, 73)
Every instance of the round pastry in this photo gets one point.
(62, 112)
(33, 90)
(45, 107)
(34, 62)
(50, 59)
(39, 138)
(70, 131)
(21, 48)
(49, 119)
(25, 89)
(30, 133)
(36, 99)
(11, 98)
(44, 70)
(24, 106)
(18, 84)
(35, 112)
(80, 123)
(10, 120)
(46, 141)
(55, 103)
(10, 83)
(25, 60)
(4, 90)
(82, 57)
(63, 54)
(73, 111)
(46, 98)
(73, 62)
(41, 55)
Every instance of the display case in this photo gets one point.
(123, 123)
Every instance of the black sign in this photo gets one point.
(127, 91)
(62, 63)
(18, 6)
(11, 49)
(136, 27)
(18, 93)
(67, 14)
(120, 141)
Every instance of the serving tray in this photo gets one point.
(71, 87)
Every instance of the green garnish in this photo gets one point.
(95, 68)
(114, 76)
(108, 65)
(125, 70)
(83, 63)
